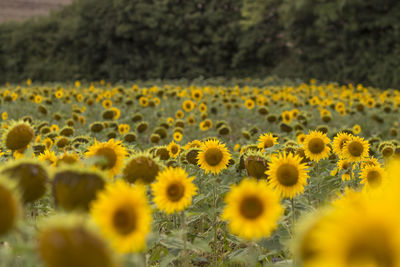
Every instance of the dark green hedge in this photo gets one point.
(346, 41)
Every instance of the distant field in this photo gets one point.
(11, 10)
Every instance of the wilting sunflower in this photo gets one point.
(356, 149)
(66, 241)
(9, 205)
(252, 209)
(339, 141)
(112, 154)
(372, 176)
(213, 157)
(123, 215)
(359, 232)
(141, 168)
(173, 149)
(173, 190)
(193, 144)
(287, 174)
(18, 135)
(267, 140)
(315, 146)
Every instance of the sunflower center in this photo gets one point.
(251, 207)
(213, 156)
(345, 165)
(109, 155)
(268, 143)
(175, 192)
(355, 149)
(287, 174)
(316, 145)
(372, 249)
(374, 178)
(174, 149)
(124, 220)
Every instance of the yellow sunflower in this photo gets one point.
(339, 142)
(249, 104)
(266, 141)
(356, 149)
(48, 156)
(193, 144)
(356, 129)
(287, 174)
(213, 157)
(252, 209)
(112, 154)
(173, 190)
(123, 215)
(372, 176)
(287, 116)
(177, 136)
(315, 146)
(173, 149)
(360, 232)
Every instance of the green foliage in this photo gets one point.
(346, 41)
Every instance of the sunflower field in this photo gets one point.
(215, 172)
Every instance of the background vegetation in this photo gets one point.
(346, 41)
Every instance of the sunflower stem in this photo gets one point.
(293, 212)
(215, 221)
(184, 237)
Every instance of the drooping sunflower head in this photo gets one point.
(30, 175)
(123, 215)
(252, 209)
(339, 141)
(174, 149)
(18, 135)
(287, 175)
(193, 144)
(162, 153)
(213, 157)
(256, 165)
(267, 140)
(67, 159)
(9, 205)
(315, 146)
(66, 240)
(173, 190)
(356, 149)
(74, 187)
(110, 155)
(141, 168)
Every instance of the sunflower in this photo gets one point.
(315, 146)
(4, 115)
(356, 129)
(177, 136)
(107, 103)
(48, 156)
(123, 215)
(213, 157)
(267, 140)
(141, 168)
(339, 141)
(203, 108)
(356, 149)
(369, 162)
(123, 128)
(173, 190)
(112, 154)
(287, 116)
(188, 105)
(10, 206)
(300, 138)
(197, 94)
(18, 135)
(372, 176)
(252, 209)
(77, 244)
(179, 114)
(249, 104)
(287, 174)
(117, 113)
(173, 149)
(359, 232)
(144, 102)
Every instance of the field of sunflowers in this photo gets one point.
(205, 173)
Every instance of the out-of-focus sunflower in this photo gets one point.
(173, 149)
(372, 177)
(123, 216)
(287, 174)
(252, 209)
(213, 157)
(173, 190)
